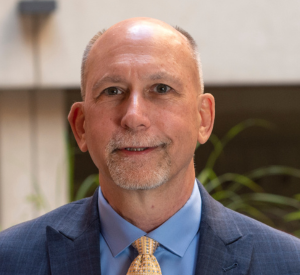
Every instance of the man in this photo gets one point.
(142, 113)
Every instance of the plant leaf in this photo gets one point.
(225, 194)
(238, 178)
(292, 216)
(297, 197)
(274, 170)
(233, 132)
(205, 175)
(255, 213)
(271, 198)
(92, 180)
(297, 233)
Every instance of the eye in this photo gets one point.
(162, 88)
(112, 91)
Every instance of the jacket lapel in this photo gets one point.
(223, 249)
(73, 244)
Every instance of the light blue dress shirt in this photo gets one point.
(178, 238)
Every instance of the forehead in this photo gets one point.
(144, 46)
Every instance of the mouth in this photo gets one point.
(134, 149)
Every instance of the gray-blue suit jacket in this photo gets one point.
(66, 241)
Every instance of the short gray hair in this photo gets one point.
(195, 53)
(84, 60)
(191, 41)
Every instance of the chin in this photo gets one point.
(139, 176)
(137, 183)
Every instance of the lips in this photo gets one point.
(135, 143)
(131, 149)
(136, 150)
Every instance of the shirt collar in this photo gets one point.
(175, 234)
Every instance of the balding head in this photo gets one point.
(139, 29)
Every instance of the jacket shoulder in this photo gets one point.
(24, 245)
(37, 226)
(274, 251)
(265, 249)
(263, 234)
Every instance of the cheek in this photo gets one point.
(99, 128)
(182, 129)
(190, 124)
(99, 120)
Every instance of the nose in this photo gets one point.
(135, 116)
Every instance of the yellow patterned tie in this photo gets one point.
(145, 263)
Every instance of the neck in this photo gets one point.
(148, 209)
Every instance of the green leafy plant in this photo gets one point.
(91, 182)
(229, 188)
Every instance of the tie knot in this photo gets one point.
(145, 245)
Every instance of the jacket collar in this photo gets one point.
(73, 245)
(223, 247)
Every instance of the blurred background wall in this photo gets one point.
(251, 63)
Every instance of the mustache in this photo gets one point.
(130, 139)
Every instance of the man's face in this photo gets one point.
(141, 111)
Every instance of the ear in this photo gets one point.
(77, 121)
(207, 114)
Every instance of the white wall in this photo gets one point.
(33, 164)
(241, 42)
(16, 47)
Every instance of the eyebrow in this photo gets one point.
(166, 77)
(110, 79)
(156, 76)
